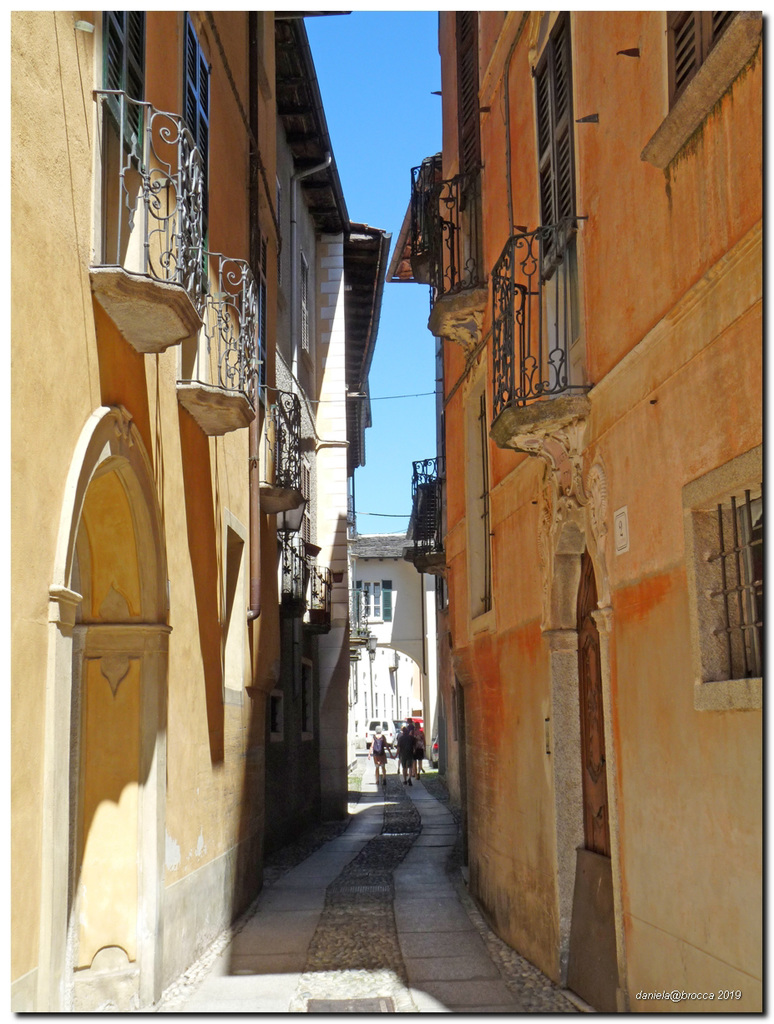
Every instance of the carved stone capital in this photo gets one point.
(62, 606)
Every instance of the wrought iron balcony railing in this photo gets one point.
(321, 584)
(281, 485)
(445, 230)
(358, 618)
(295, 576)
(427, 514)
(153, 195)
(535, 319)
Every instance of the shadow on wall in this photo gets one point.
(203, 547)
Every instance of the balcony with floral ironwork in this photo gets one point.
(148, 274)
(294, 582)
(446, 250)
(318, 618)
(539, 395)
(219, 369)
(281, 468)
(358, 621)
(426, 528)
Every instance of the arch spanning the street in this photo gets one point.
(104, 776)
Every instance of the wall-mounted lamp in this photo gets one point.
(83, 26)
(289, 521)
(371, 645)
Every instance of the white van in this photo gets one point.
(390, 730)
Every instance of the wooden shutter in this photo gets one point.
(387, 600)
(690, 37)
(196, 101)
(467, 92)
(556, 161)
(124, 52)
(262, 349)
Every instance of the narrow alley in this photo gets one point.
(370, 916)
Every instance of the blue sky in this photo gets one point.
(377, 72)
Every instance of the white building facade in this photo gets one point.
(394, 607)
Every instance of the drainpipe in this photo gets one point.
(294, 179)
(255, 427)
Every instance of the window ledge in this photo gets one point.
(484, 622)
(729, 695)
(724, 62)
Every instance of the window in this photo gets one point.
(306, 491)
(372, 598)
(234, 623)
(556, 160)
(387, 600)
(479, 555)
(276, 717)
(724, 551)
(196, 101)
(123, 68)
(304, 302)
(124, 51)
(691, 35)
(467, 92)
(306, 698)
(260, 280)
(279, 221)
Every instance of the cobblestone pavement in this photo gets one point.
(355, 955)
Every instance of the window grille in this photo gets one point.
(739, 555)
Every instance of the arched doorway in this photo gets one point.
(105, 775)
(592, 970)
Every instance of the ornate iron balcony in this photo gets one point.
(321, 583)
(427, 515)
(295, 576)
(534, 300)
(358, 619)
(217, 384)
(445, 232)
(151, 231)
(281, 488)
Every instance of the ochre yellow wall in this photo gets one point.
(68, 359)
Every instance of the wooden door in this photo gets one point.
(595, 808)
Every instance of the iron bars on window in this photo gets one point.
(153, 194)
(427, 496)
(535, 320)
(445, 233)
(295, 576)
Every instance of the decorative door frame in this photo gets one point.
(572, 520)
(108, 442)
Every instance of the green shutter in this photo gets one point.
(196, 101)
(387, 600)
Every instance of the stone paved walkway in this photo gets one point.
(376, 919)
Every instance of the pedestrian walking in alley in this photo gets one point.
(419, 750)
(406, 753)
(379, 749)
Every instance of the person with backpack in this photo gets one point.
(406, 754)
(379, 749)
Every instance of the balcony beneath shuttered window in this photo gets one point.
(426, 530)
(281, 469)
(148, 275)
(446, 250)
(219, 368)
(538, 386)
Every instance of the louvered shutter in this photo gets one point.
(387, 600)
(467, 91)
(123, 47)
(553, 100)
(196, 101)
(262, 313)
(691, 35)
